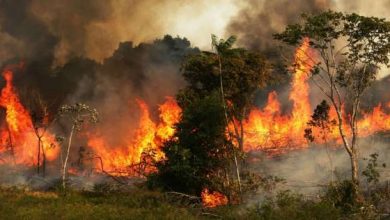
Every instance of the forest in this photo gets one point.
(260, 122)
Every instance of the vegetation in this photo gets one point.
(199, 154)
(20, 204)
(220, 93)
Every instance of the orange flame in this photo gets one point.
(147, 140)
(266, 129)
(214, 199)
(18, 134)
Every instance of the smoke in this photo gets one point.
(149, 71)
(94, 29)
(307, 171)
(257, 21)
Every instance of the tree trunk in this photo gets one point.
(64, 171)
(39, 154)
(227, 121)
(351, 149)
(355, 174)
(43, 161)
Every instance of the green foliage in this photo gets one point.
(243, 73)
(222, 46)
(365, 45)
(198, 152)
(320, 119)
(201, 152)
(287, 205)
(341, 196)
(371, 172)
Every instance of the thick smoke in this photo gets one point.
(257, 21)
(307, 171)
(148, 71)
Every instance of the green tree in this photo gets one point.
(348, 51)
(230, 78)
(79, 114)
(320, 121)
(199, 153)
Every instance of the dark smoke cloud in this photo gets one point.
(149, 71)
(25, 36)
(259, 20)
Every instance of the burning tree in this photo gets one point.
(348, 50)
(78, 114)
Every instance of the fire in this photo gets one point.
(17, 134)
(214, 199)
(267, 129)
(144, 145)
(375, 121)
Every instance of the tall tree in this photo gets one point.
(349, 49)
(233, 73)
(222, 48)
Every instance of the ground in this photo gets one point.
(21, 204)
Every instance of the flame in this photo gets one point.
(17, 135)
(267, 129)
(214, 199)
(146, 141)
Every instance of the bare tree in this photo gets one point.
(78, 114)
(41, 121)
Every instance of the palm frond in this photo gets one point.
(230, 41)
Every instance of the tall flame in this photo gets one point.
(267, 129)
(148, 139)
(17, 134)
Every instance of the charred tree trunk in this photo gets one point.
(39, 154)
(11, 145)
(43, 161)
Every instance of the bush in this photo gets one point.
(287, 205)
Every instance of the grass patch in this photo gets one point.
(19, 204)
